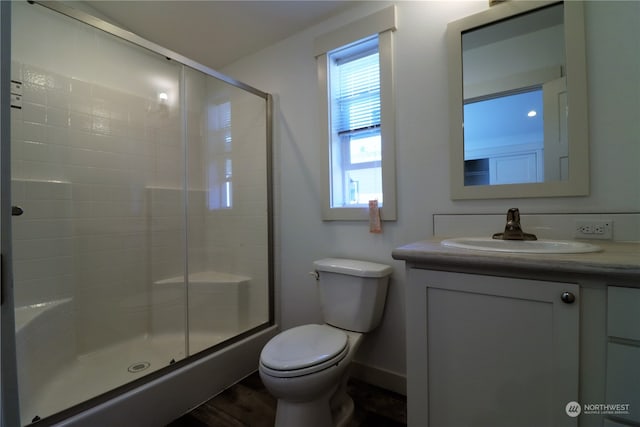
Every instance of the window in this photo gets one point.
(219, 173)
(355, 76)
(356, 155)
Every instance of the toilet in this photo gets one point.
(306, 367)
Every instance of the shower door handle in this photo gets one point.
(16, 211)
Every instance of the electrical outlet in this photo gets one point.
(594, 229)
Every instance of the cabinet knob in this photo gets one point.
(568, 297)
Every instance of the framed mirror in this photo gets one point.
(518, 102)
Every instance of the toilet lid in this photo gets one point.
(302, 347)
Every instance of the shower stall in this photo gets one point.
(137, 258)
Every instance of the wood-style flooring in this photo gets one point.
(248, 404)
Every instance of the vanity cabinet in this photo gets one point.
(491, 341)
(490, 351)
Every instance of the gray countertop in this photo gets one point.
(618, 262)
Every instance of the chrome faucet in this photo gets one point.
(513, 230)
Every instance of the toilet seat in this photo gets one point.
(303, 350)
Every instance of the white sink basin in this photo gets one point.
(521, 246)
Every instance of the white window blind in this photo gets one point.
(358, 97)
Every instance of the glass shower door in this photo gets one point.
(98, 170)
(227, 191)
(144, 188)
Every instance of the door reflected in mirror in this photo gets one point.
(509, 71)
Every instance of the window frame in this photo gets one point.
(382, 23)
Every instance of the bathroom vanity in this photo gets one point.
(507, 339)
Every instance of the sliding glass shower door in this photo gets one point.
(227, 239)
(143, 189)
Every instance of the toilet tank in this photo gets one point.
(352, 292)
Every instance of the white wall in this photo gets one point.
(287, 70)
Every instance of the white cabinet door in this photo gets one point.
(490, 351)
(556, 140)
(514, 169)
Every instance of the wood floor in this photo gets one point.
(248, 404)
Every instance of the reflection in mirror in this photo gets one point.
(508, 69)
(511, 68)
(505, 132)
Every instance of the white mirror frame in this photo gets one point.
(578, 128)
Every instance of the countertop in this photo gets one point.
(618, 262)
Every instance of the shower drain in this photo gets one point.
(138, 367)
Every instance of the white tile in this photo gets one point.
(101, 125)
(81, 192)
(43, 171)
(119, 127)
(42, 229)
(34, 151)
(57, 117)
(104, 142)
(58, 98)
(31, 74)
(80, 121)
(17, 148)
(34, 132)
(46, 209)
(78, 138)
(58, 153)
(58, 135)
(83, 209)
(17, 169)
(18, 190)
(79, 104)
(41, 248)
(43, 190)
(57, 82)
(16, 123)
(16, 70)
(34, 93)
(100, 108)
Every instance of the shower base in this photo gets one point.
(91, 374)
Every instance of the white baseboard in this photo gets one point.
(379, 377)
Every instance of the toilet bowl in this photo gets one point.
(306, 367)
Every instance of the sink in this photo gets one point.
(544, 246)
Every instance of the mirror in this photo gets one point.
(519, 102)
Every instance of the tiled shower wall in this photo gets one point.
(82, 158)
(99, 174)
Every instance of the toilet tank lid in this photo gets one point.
(352, 267)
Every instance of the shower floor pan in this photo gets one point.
(92, 374)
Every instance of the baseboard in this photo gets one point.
(379, 377)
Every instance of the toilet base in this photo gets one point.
(343, 414)
(316, 413)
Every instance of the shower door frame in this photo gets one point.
(188, 382)
(9, 405)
